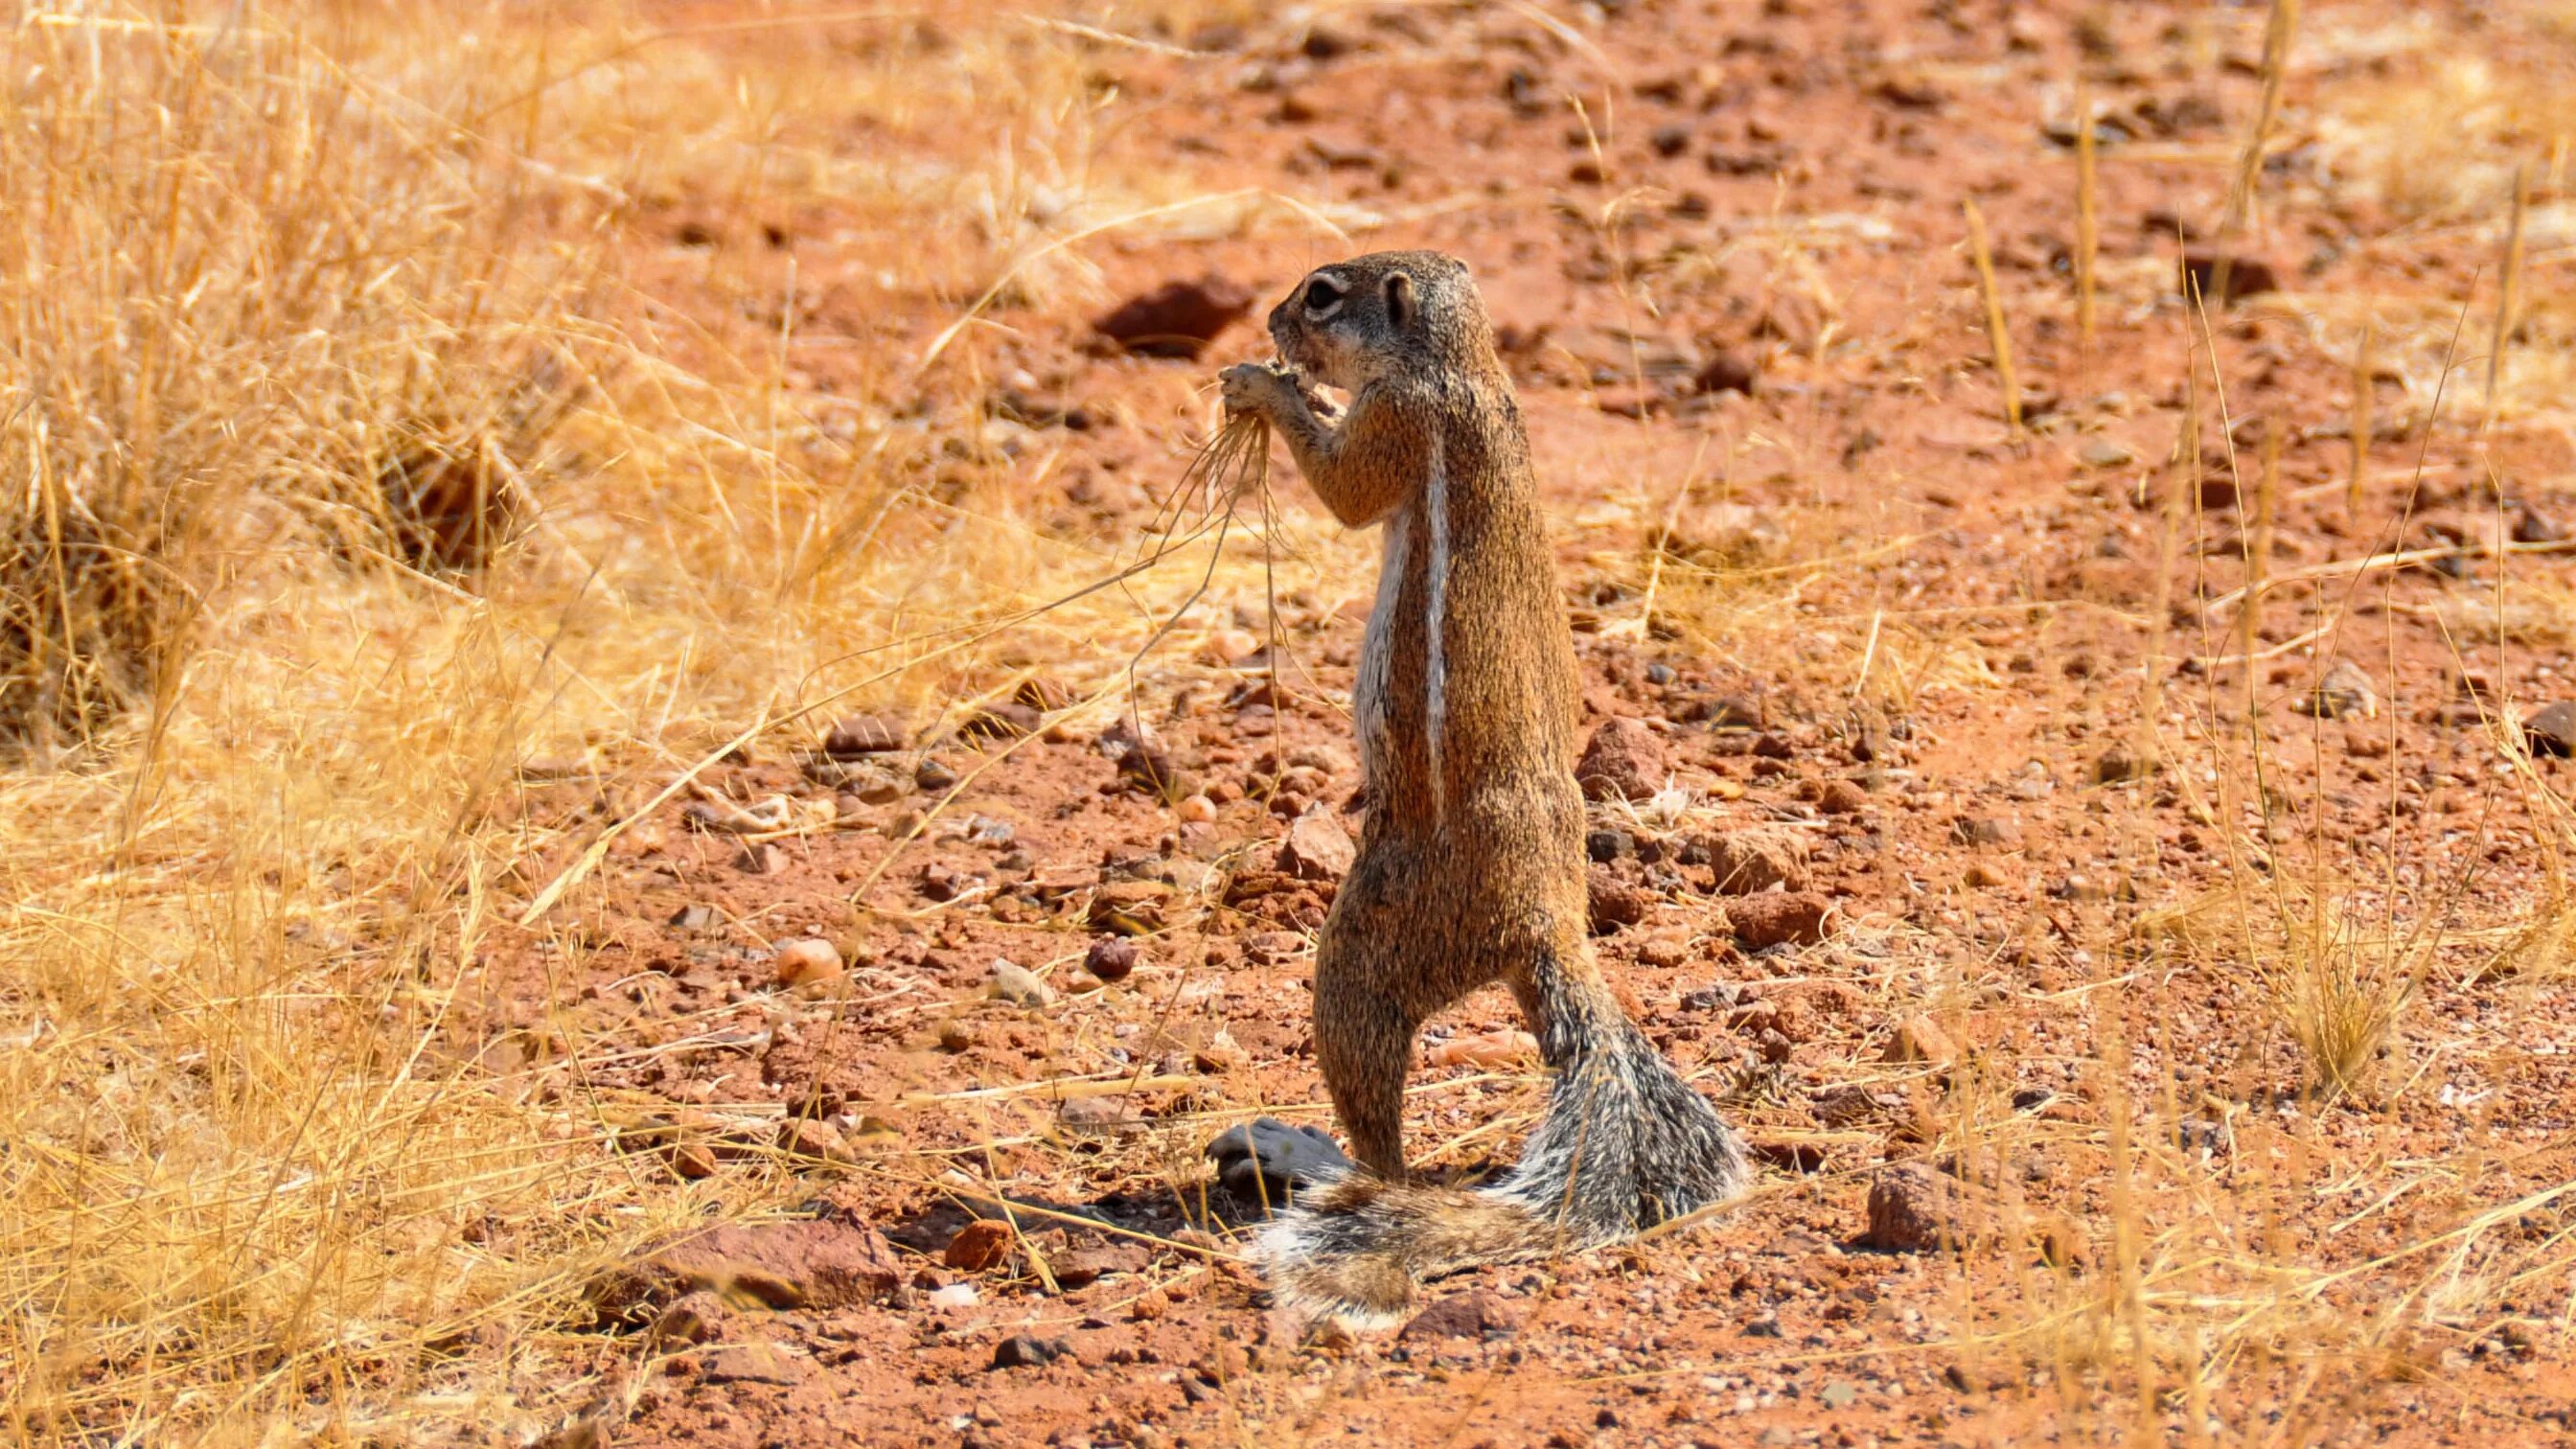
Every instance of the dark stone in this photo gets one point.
(1324, 43)
(2552, 730)
(1022, 1350)
(1112, 959)
(2119, 766)
(1725, 372)
(1462, 1315)
(1606, 846)
(2247, 276)
(1717, 996)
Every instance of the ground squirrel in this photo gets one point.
(1471, 866)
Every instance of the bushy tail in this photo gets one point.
(1626, 1144)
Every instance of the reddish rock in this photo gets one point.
(1920, 1039)
(1624, 761)
(754, 1363)
(1112, 959)
(1130, 907)
(1007, 720)
(1788, 1154)
(1045, 692)
(1984, 830)
(1462, 1315)
(808, 1141)
(693, 1318)
(1177, 319)
(1616, 902)
(864, 734)
(979, 1245)
(1793, 918)
(819, 1263)
(1757, 859)
(1915, 1208)
(1841, 797)
(1317, 848)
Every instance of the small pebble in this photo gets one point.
(1112, 958)
(811, 961)
(1020, 986)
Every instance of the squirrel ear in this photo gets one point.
(1399, 300)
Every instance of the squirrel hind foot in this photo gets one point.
(1266, 1162)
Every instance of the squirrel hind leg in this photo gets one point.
(1363, 1047)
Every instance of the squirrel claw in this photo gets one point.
(1267, 1161)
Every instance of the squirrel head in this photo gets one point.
(1384, 314)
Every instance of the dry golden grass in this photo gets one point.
(274, 275)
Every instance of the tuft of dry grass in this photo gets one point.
(348, 461)
(2336, 987)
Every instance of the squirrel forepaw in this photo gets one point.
(1257, 388)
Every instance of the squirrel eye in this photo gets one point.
(1323, 297)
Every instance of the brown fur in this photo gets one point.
(1471, 866)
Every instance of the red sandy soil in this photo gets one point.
(1976, 858)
